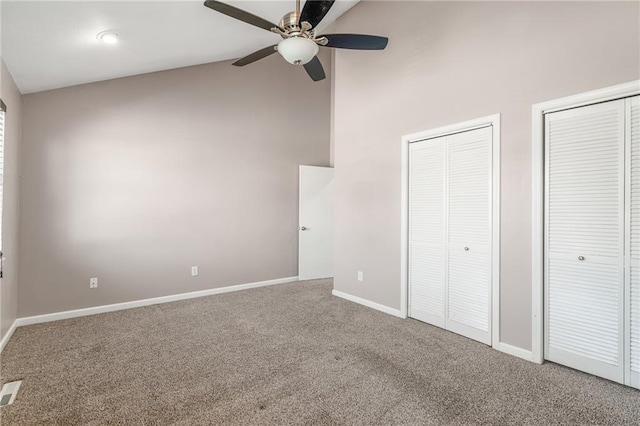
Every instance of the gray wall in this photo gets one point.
(13, 122)
(449, 62)
(135, 180)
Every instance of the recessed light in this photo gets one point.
(109, 37)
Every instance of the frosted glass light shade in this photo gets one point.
(297, 50)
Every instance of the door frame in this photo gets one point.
(611, 93)
(490, 120)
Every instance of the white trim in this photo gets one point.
(404, 230)
(495, 229)
(537, 190)
(628, 262)
(515, 351)
(369, 304)
(146, 302)
(490, 120)
(7, 335)
(450, 129)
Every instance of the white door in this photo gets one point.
(632, 293)
(315, 236)
(584, 239)
(469, 223)
(450, 232)
(427, 231)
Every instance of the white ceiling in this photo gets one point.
(52, 44)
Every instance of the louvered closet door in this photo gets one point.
(633, 247)
(584, 239)
(427, 231)
(469, 240)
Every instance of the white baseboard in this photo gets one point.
(8, 335)
(369, 304)
(515, 351)
(502, 347)
(145, 302)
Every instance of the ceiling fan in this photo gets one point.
(298, 30)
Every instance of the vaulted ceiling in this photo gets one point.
(52, 44)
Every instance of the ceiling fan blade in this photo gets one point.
(240, 14)
(314, 10)
(314, 69)
(256, 56)
(356, 41)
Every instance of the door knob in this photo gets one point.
(580, 257)
(303, 228)
(466, 249)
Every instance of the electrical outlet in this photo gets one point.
(360, 276)
(93, 283)
(194, 271)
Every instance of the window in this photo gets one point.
(3, 110)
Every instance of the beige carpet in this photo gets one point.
(287, 354)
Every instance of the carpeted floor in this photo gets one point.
(286, 354)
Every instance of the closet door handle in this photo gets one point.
(580, 257)
(466, 249)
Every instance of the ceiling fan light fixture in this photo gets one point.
(298, 29)
(298, 50)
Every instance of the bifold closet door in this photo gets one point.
(584, 238)
(469, 229)
(633, 245)
(427, 238)
(450, 232)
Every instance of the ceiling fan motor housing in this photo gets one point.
(289, 22)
